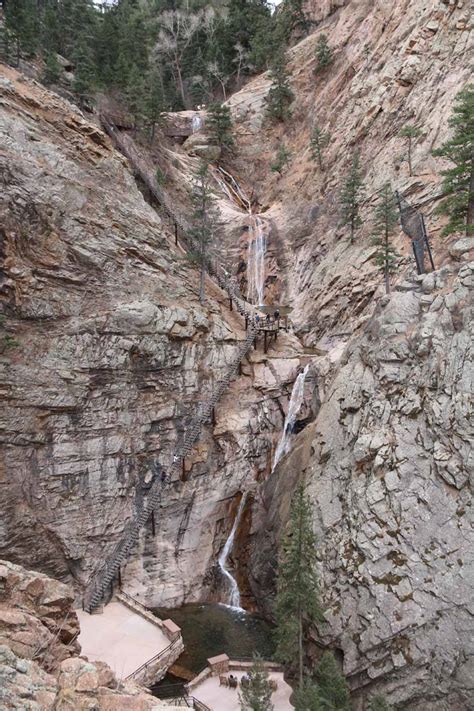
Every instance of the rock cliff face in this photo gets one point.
(38, 671)
(387, 466)
(387, 460)
(114, 350)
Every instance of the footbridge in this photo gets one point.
(103, 579)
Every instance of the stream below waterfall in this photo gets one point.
(212, 629)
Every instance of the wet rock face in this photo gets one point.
(387, 466)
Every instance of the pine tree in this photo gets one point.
(21, 19)
(135, 93)
(410, 133)
(279, 95)
(323, 53)
(386, 217)
(8, 45)
(154, 99)
(204, 222)
(307, 698)
(219, 125)
(295, 17)
(297, 600)
(378, 703)
(351, 197)
(458, 183)
(319, 141)
(282, 159)
(332, 687)
(51, 73)
(84, 72)
(257, 694)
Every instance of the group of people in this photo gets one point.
(269, 319)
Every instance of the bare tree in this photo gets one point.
(177, 29)
(215, 71)
(241, 60)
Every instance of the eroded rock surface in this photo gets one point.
(38, 671)
(388, 467)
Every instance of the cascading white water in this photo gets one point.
(256, 262)
(196, 123)
(234, 593)
(257, 243)
(294, 406)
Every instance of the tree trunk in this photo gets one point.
(470, 204)
(320, 160)
(300, 651)
(180, 83)
(386, 264)
(409, 157)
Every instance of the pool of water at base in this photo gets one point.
(211, 629)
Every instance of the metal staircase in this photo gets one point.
(101, 583)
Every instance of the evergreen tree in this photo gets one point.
(279, 95)
(8, 45)
(458, 183)
(244, 31)
(332, 687)
(386, 217)
(21, 20)
(323, 53)
(154, 99)
(135, 93)
(256, 695)
(319, 141)
(84, 71)
(351, 197)
(410, 133)
(294, 17)
(307, 698)
(378, 703)
(51, 73)
(297, 600)
(282, 159)
(204, 222)
(219, 125)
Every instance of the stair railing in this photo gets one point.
(102, 579)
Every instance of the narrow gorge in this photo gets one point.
(192, 331)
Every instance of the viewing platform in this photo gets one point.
(213, 689)
(133, 642)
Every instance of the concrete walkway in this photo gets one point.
(120, 637)
(221, 698)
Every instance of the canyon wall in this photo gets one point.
(114, 350)
(387, 461)
(39, 666)
(113, 353)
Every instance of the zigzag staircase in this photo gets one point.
(103, 578)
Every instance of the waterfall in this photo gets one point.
(294, 406)
(256, 262)
(234, 594)
(196, 123)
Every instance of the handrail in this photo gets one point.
(195, 703)
(105, 574)
(171, 646)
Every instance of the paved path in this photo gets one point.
(220, 698)
(120, 637)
